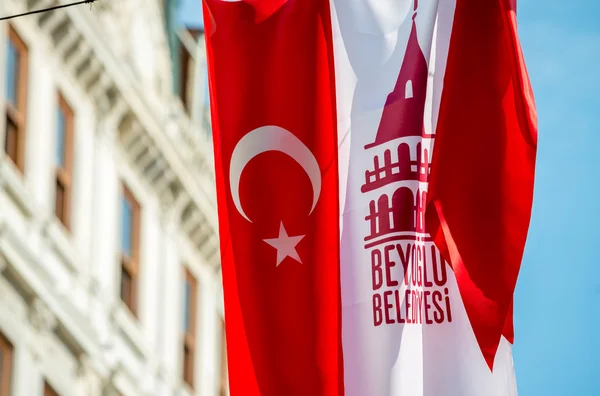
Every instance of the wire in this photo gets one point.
(56, 7)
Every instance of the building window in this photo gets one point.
(48, 391)
(64, 162)
(16, 99)
(130, 246)
(187, 68)
(189, 327)
(6, 357)
(184, 76)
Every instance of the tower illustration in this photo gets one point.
(403, 112)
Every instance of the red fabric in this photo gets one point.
(482, 177)
(283, 323)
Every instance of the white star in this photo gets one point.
(285, 245)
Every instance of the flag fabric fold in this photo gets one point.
(375, 165)
(481, 187)
(264, 8)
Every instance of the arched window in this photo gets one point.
(404, 159)
(383, 212)
(408, 90)
(403, 207)
(421, 204)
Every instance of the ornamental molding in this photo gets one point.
(41, 316)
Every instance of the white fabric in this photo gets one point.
(396, 359)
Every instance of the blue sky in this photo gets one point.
(557, 302)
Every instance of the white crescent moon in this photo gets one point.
(271, 138)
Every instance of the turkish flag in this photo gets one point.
(272, 90)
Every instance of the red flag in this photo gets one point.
(481, 183)
(274, 122)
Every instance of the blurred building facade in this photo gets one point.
(109, 267)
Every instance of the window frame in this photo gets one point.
(189, 334)
(49, 390)
(17, 114)
(7, 349)
(224, 373)
(64, 173)
(130, 264)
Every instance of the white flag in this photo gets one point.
(405, 328)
